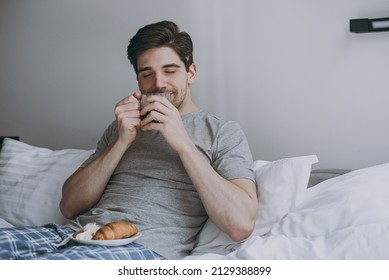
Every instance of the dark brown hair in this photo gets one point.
(161, 34)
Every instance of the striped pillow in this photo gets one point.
(31, 180)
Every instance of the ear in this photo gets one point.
(192, 74)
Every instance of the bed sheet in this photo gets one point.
(346, 217)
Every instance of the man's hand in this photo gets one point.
(128, 118)
(164, 117)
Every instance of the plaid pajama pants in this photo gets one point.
(39, 243)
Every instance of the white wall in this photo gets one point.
(289, 71)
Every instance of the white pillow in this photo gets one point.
(281, 186)
(31, 180)
(350, 201)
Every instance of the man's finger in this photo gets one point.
(127, 99)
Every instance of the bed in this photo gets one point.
(304, 213)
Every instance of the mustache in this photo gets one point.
(160, 90)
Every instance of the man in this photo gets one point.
(169, 165)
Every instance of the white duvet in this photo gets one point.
(346, 217)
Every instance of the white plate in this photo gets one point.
(114, 242)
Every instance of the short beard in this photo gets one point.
(178, 102)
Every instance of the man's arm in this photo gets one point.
(84, 188)
(231, 205)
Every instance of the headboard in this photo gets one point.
(320, 175)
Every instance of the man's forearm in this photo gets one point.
(84, 188)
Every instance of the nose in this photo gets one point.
(160, 81)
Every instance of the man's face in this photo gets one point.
(160, 70)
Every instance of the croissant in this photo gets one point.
(115, 230)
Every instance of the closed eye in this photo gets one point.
(145, 75)
(171, 68)
(170, 71)
(145, 72)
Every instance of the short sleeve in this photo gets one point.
(232, 157)
(108, 136)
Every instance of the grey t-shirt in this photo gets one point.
(151, 188)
